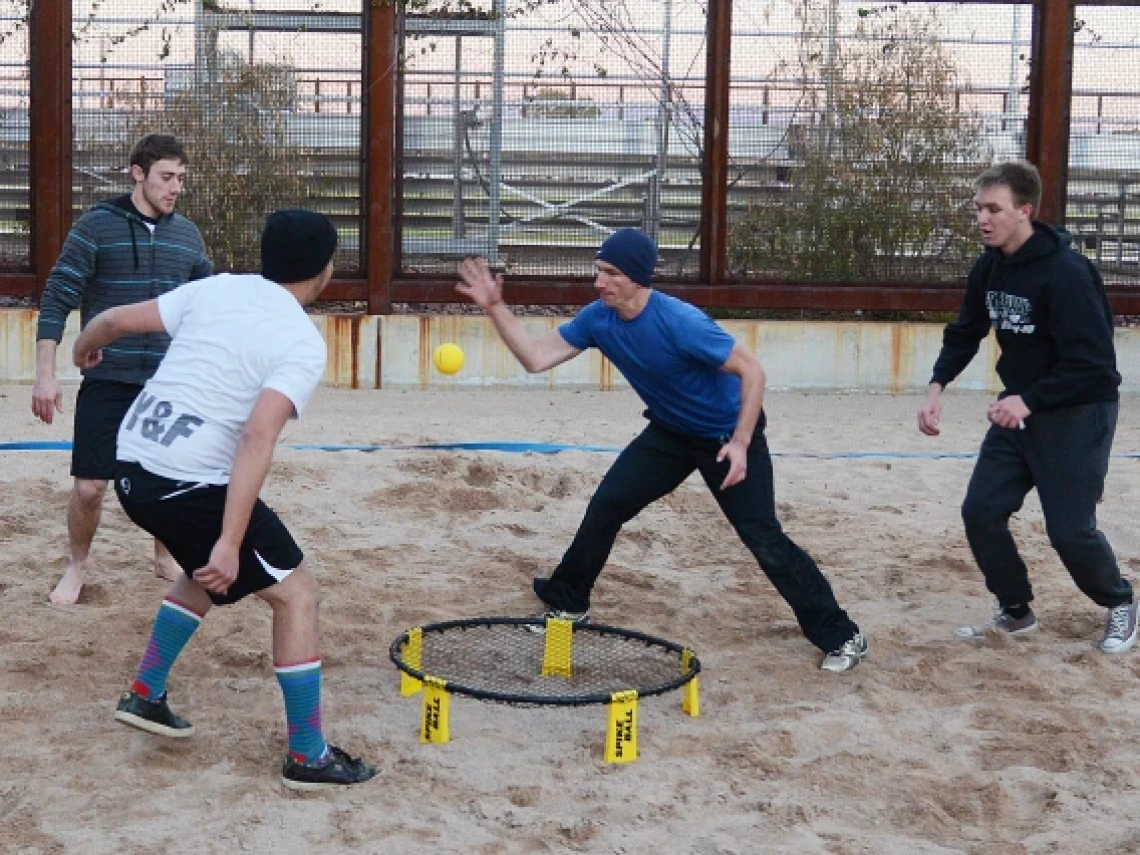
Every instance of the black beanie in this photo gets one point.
(296, 245)
(632, 252)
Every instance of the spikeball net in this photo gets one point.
(537, 662)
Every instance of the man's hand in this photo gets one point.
(477, 283)
(930, 412)
(737, 455)
(47, 399)
(1008, 413)
(217, 576)
(86, 358)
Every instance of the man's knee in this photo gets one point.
(609, 510)
(771, 547)
(89, 493)
(1070, 540)
(981, 514)
(299, 590)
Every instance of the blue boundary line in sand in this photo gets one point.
(555, 448)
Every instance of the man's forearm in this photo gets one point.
(45, 358)
(521, 343)
(101, 331)
(751, 403)
(251, 466)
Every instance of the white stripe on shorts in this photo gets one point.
(279, 575)
(180, 492)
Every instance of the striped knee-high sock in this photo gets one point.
(301, 686)
(173, 626)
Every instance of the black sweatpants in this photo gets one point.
(655, 464)
(1064, 454)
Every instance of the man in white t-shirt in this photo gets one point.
(193, 453)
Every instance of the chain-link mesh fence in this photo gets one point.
(15, 180)
(531, 128)
(1103, 209)
(265, 95)
(856, 130)
(530, 135)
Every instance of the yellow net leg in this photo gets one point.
(691, 699)
(437, 703)
(559, 650)
(413, 655)
(690, 695)
(621, 735)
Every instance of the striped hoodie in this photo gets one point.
(111, 258)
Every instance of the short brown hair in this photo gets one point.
(155, 147)
(1020, 176)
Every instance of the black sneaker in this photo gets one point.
(336, 770)
(152, 716)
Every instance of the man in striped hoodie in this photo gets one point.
(123, 251)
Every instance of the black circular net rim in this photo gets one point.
(522, 699)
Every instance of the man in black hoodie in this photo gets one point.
(123, 251)
(1052, 426)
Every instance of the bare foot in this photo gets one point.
(167, 568)
(66, 593)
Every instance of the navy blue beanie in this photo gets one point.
(632, 252)
(296, 245)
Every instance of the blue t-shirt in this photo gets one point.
(671, 354)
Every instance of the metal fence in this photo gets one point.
(796, 154)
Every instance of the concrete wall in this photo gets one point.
(372, 352)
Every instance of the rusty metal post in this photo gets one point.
(1050, 102)
(49, 146)
(380, 63)
(714, 187)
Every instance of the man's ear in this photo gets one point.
(137, 173)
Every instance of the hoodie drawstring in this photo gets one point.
(134, 243)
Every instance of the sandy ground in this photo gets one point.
(932, 745)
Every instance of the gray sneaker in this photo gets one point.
(1120, 628)
(847, 656)
(1001, 623)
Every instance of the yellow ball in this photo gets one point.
(448, 358)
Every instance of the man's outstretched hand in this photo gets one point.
(477, 284)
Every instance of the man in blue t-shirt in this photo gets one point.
(703, 394)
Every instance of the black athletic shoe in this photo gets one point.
(152, 716)
(539, 584)
(336, 770)
(542, 591)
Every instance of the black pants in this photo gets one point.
(653, 465)
(1064, 454)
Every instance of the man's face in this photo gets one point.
(613, 286)
(160, 187)
(1001, 221)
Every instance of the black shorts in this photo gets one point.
(187, 517)
(99, 410)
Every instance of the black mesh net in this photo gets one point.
(502, 659)
(264, 94)
(1103, 205)
(533, 129)
(857, 128)
(15, 194)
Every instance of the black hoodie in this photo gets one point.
(1053, 321)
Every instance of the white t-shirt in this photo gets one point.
(232, 336)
